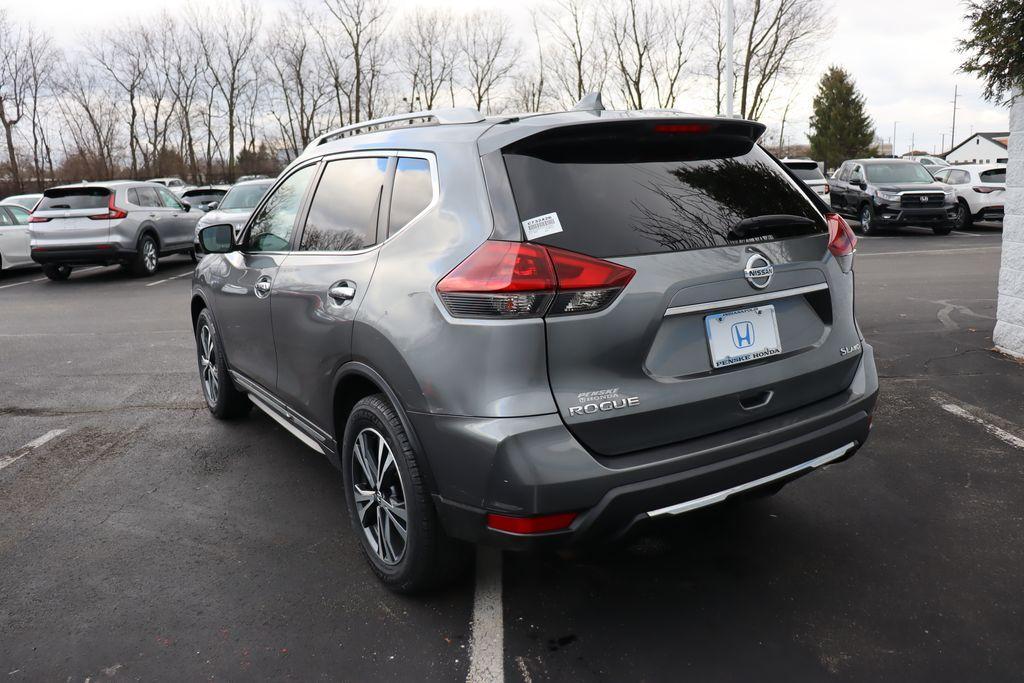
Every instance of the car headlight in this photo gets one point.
(950, 195)
(888, 196)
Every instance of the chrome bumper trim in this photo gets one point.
(744, 300)
(713, 498)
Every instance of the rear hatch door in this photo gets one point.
(701, 339)
(72, 216)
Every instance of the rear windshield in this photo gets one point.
(204, 197)
(806, 171)
(244, 196)
(74, 198)
(622, 197)
(996, 175)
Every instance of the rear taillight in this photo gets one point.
(842, 241)
(523, 280)
(37, 219)
(112, 212)
(985, 190)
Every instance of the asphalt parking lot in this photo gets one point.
(141, 539)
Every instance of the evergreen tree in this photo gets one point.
(840, 128)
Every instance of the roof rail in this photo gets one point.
(433, 117)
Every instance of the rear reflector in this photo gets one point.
(841, 239)
(531, 525)
(522, 280)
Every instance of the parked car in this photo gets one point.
(538, 333)
(205, 197)
(175, 185)
(127, 222)
(25, 201)
(246, 178)
(810, 173)
(884, 193)
(235, 207)
(980, 192)
(931, 164)
(14, 239)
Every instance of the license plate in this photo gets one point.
(742, 336)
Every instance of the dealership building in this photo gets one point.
(981, 148)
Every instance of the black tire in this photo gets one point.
(964, 220)
(223, 399)
(57, 271)
(866, 216)
(147, 257)
(429, 558)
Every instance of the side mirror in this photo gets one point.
(211, 206)
(188, 205)
(217, 239)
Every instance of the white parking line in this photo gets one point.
(34, 443)
(15, 284)
(168, 279)
(926, 251)
(150, 284)
(487, 632)
(964, 413)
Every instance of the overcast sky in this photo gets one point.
(901, 53)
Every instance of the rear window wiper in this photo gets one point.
(61, 206)
(756, 224)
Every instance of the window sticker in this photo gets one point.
(541, 226)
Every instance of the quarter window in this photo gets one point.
(272, 228)
(21, 215)
(412, 193)
(343, 213)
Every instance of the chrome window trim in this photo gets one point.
(743, 300)
(720, 496)
(386, 154)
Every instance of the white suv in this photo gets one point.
(980, 191)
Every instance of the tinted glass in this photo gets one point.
(806, 171)
(20, 214)
(343, 213)
(169, 200)
(996, 175)
(204, 197)
(244, 196)
(272, 229)
(413, 192)
(608, 208)
(896, 172)
(74, 198)
(5, 218)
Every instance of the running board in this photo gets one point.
(713, 498)
(287, 425)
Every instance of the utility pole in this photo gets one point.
(729, 69)
(894, 139)
(911, 142)
(942, 150)
(952, 135)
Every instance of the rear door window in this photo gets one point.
(343, 213)
(413, 192)
(169, 200)
(70, 199)
(616, 200)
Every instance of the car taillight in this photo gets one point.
(112, 212)
(842, 241)
(523, 280)
(37, 219)
(985, 190)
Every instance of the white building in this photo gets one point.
(981, 148)
(1009, 332)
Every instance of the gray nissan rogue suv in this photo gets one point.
(538, 330)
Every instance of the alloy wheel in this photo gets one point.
(865, 219)
(379, 496)
(149, 255)
(208, 364)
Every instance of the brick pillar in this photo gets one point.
(1009, 332)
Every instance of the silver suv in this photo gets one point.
(538, 330)
(127, 222)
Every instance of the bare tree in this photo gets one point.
(363, 23)
(575, 54)
(228, 36)
(488, 51)
(426, 55)
(678, 41)
(15, 85)
(91, 118)
(529, 89)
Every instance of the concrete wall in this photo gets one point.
(1009, 333)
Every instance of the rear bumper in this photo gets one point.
(102, 254)
(990, 213)
(533, 466)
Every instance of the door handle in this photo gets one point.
(343, 291)
(263, 287)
